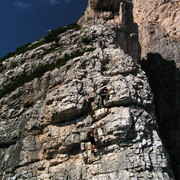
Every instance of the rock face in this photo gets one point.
(159, 27)
(45, 120)
(118, 15)
(159, 38)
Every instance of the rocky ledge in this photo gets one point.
(44, 122)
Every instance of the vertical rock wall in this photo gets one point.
(49, 139)
(44, 123)
(159, 37)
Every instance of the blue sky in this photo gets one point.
(25, 21)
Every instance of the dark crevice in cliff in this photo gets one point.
(88, 110)
(7, 144)
(130, 103)
(164, 77)
(127, 37)
(26, 164)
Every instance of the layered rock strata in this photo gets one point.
(44, 123)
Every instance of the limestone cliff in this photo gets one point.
(159, 27)
(49, 101)
(159, 38)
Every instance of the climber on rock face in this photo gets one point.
(91, 138)
(104, 95)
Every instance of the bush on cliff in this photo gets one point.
(52, 36)
(40, 70)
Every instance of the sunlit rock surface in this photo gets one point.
(44, 122)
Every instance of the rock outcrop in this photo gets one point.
(50, 100)
(159, 38)
(159, 27)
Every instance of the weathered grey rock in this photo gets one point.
(45, 122)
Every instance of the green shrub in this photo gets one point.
(35, 45)
(86, 40)
(14, 64)
(53, 35)
(22, 49)
(19, 50)
(1, 67)
(47, 51)
(49, 38)
(39, 71)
